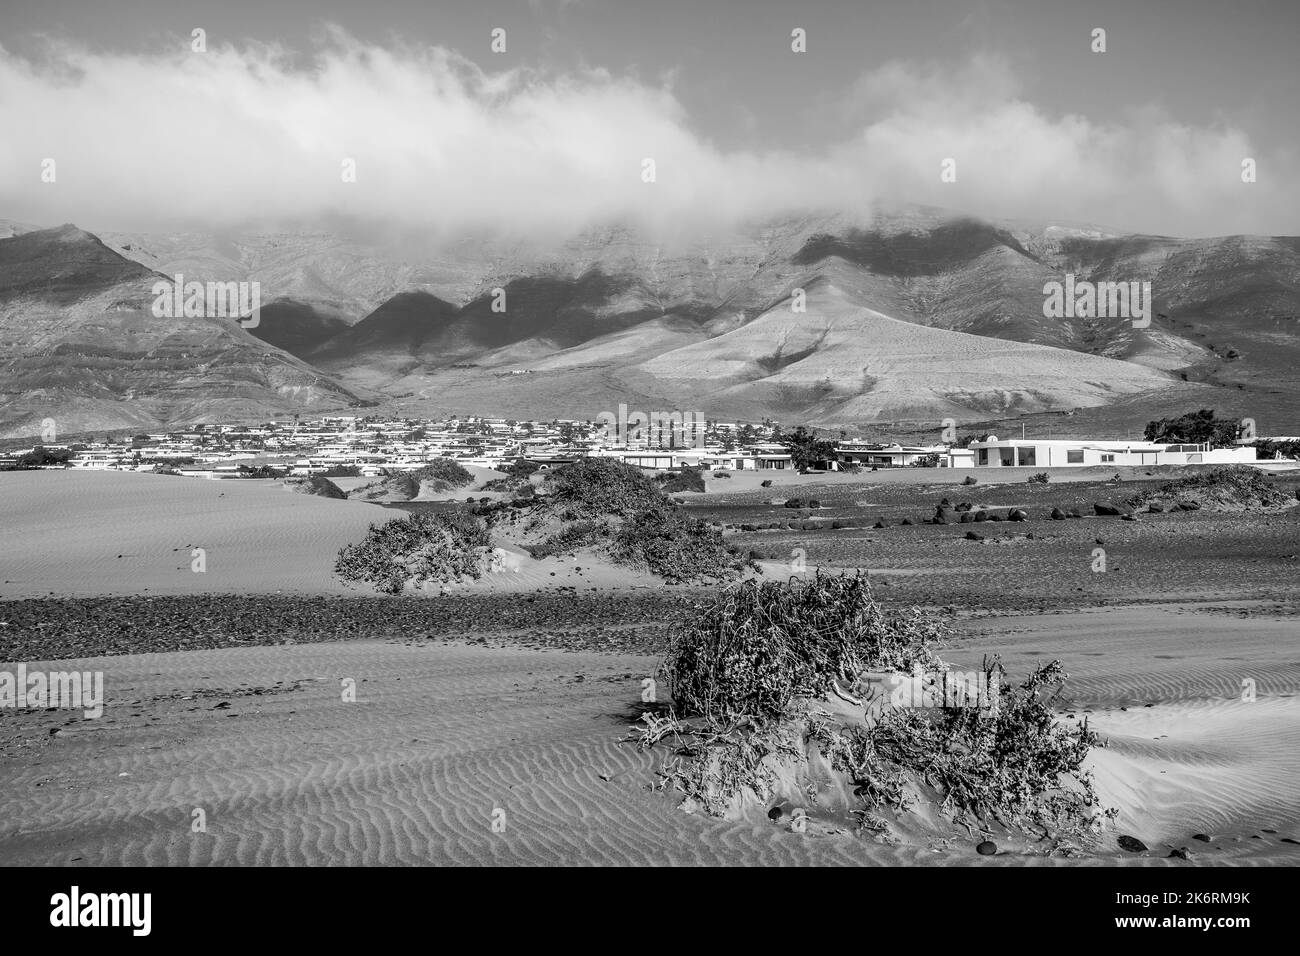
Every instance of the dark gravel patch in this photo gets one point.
(59, 628)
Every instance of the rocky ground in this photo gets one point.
(56, 628)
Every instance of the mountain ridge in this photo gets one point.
(612, 312)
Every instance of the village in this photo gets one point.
(370, 446)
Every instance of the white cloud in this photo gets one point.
(251, 137)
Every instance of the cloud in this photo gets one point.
(1138, 169)
(256, 136)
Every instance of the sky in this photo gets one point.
(401, 114)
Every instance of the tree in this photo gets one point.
(520, 468)
(806, 449)
(40, 456)
(1198, 428)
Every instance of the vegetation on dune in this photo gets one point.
(595, 504)
(611, 506)
(1017, 766)
(599, 488)
(1229, 487)
(688, 479)
(571, 537)
(400, 483)
(746, 674)
(677, 547)
(516, 473)
(441, 475)
(521, 468)
(444, 469)
(761, 645)
(428, 546)
(316, 485)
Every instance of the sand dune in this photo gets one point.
(1186, 754)
(441, 735)
(407, 774)
(258, 537)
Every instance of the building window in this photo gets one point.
(1074, 456)
(1107, 458)
(1026, 455)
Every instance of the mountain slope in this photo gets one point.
(912, 312)
(920, 266)
(79, 343)
(841, 362)
(297, 327)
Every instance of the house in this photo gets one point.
(886, 456)
(1047, 453)
(957, 458)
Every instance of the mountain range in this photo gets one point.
(912, 316)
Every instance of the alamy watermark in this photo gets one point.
(1098, 300)
(75, 908)
(659, 429)
(41, 690)
(176, 298)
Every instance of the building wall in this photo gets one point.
(1029, 455)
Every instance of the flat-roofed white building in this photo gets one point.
(1062, 453)
(886, 456)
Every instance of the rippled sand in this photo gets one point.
(442, 735)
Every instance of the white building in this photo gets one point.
(887, 456)
(1046, 453)
(708, 458)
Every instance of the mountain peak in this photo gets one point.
(68, 232)
(62, 264)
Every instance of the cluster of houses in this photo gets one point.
(369, 446)
(372, 445)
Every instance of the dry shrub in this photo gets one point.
(437, 546)
(760, 646)
(1230, 487)
(743, 669)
